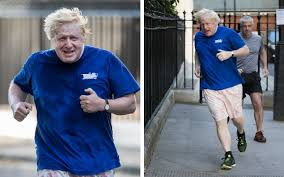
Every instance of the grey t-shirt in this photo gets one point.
(250, 63)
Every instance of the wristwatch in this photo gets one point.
(233, 54)
(106, 105)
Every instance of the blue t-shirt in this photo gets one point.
(67, 138)
(216, 74)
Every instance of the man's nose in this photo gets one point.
(68, 42)
(205, 27)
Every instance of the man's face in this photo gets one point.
(246, 28)
(68, 42)
(208, 26)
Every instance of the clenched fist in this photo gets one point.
(92, 102)
(198, 72)
(21, 110)
(223, 55)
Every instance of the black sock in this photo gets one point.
(228, 153)
(243, 134)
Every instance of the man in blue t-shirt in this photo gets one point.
(75, 89)
(216, 52)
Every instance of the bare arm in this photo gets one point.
(16, 98)
(92, 103)
(241, 52)
(263, 60)
(197, 71)
(123, 105)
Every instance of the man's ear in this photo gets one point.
(53, 42)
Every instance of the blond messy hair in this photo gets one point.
(206, 14)
(62, 16)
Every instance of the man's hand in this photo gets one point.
(91, 103)
(197, 72)
(265, 72)
(223, 55)
(21, 110)
(240, 70)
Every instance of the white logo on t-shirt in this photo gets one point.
(90, 76)
(218, 41)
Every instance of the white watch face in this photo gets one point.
(107, 107)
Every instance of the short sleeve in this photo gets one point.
(24, 76)
(236, 40)
(121, 81)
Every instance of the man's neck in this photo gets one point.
(83, 48)
(216, 30)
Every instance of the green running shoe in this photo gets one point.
(242, 144)
(229, 162)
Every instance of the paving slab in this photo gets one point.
(189, 146)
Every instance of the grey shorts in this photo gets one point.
(58, 173)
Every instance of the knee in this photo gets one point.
(238, 120)
(221, 123)
(257, 104)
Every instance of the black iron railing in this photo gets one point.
(164, 55)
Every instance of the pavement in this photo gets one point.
(17, 149)
(188, 146)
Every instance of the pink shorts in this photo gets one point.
(224, 103)
(58, 173)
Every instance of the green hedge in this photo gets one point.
(161, 7)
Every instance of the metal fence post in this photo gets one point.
(229, 20)
(278, 111)
(224, 18)
(258, 32)
(267, 27)
(176, 40)
(192, 47)
(184, 62)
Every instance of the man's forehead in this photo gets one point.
(247, 23)
(68, 32)
(208, 20)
